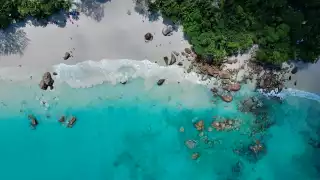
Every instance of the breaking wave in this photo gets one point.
(90, 73)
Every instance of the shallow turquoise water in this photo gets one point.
(129, 132)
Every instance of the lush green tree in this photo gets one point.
(283, 29)
(15, 10)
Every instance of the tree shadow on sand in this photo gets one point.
(13, 41)
(141, 8)
(93, 8)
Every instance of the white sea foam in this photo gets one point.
(292, 92)
(90, 73)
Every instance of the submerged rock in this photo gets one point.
(167, 30)
(33, 121)
(62, 119)
(160, 82)
(226, 98)
(199, 125)
(195, 156)
(72, 122)
(191, 144)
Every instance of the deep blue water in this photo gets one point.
(130, 133)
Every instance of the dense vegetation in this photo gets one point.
(283, 29)
(15, 10)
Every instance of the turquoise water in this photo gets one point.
(128, 132)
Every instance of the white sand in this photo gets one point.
(117, 36)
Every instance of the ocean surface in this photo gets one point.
(138, 130)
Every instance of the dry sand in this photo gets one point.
(115, 35)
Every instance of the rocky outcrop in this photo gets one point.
(167, 31)
(225, 75)
(234, 87)
(160, 82)
(46, 81)
(212, 71)
(166, 60)
(269, 82)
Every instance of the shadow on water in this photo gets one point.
(93, 8)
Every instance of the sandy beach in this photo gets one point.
(107, 30)
(118, 35)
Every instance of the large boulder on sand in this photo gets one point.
(160, 82)
(173, 59)
(66, 56)
(167, 31)
(46, 81)
(148, 37)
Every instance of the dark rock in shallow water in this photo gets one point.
(54, 73)
(180, 64)
(72, 122)
(226, 98)
(66, 56)
(33, 121)
(160, 82)
(62, 119)
(294, 70)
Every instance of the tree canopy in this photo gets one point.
(15, 10)
(283, 29)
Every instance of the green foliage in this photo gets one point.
(15, 10)
(283, 29)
